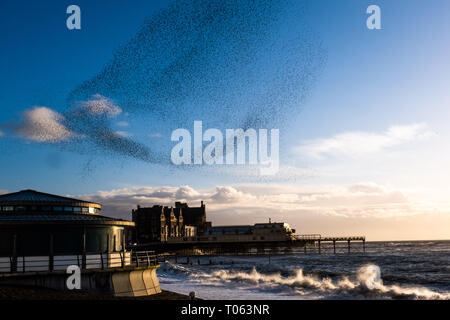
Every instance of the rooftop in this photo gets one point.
(35, 197)
(61, 219)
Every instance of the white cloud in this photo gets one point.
(366, 188)
(366, 200)
(358, 143)
(123, 134)
(374, 210)
(227, 194)
(122, 124)
(43, 125)
(100, 105)
(156, 135)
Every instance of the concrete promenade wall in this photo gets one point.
(119, 282)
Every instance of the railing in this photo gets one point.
(55, 263)
(144, 258)
(308, 237)
(321, 238)
(351, 238)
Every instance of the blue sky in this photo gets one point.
(374, 119)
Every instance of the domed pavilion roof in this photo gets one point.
(32, 197)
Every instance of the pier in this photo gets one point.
(318, 240)
(184, 230)
(311, 243)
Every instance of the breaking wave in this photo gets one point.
(366, 285)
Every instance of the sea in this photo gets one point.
(387, 270)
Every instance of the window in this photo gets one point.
(57, 208)
(46, 208)
(20, 208)
(68, 209)
(8, 208)
(94, 210)
(84, 209)
(77, 209)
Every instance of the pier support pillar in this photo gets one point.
(319, 247)
(348, 246)
(334, 246)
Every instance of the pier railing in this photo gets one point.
(318, 237)
(308, 237)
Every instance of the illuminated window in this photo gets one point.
(57, 208)
(68, 208)
(8, 208)
(93, 210)
(84, 209)
(77, 209)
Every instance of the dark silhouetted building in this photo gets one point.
(35, 224)
(194, 216)
(157, 223)
(162, 223)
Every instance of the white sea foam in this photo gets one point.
(367, 284)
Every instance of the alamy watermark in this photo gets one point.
(373, 22)
(73, 21)
(74, 280)
(232, 151)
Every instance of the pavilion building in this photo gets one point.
(40, 231)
